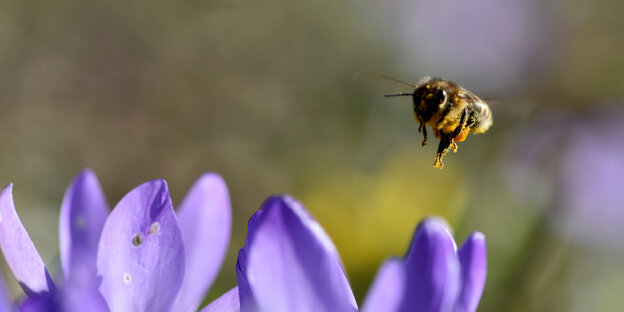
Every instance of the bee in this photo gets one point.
(451, 111)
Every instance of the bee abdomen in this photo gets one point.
(483, 121)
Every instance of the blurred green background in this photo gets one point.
(263, 93)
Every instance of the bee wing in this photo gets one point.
(510, 108)
(495, 102)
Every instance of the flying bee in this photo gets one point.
(451, 111)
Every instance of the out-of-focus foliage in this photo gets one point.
(262, 92)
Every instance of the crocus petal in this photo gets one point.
(228, 302)
(473, 259)
(247, 301)
(77, 296)
(386, 293)
(292, 265)
(40, 304)
(141, 256)
(20, 252)
(83, 214)
(5, 297)
(205, 220)
(432, 269)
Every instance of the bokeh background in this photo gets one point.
(263, 93)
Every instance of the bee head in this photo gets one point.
(430, 95)
(429, 98)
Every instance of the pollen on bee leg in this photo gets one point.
(446, 143)
(438, 163)
(462, 135)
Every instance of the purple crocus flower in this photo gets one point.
(290, 264)
(141, 257)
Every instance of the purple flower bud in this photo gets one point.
(289, 263)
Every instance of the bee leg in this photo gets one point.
(462, 125)
(422, 128)
(446, 142)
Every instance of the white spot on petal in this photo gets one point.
(127, 278)
(154, 228)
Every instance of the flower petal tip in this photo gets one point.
(289, 261)
(435, 226)
(86, 172)
(285, 202)
(157, 183)
(141, 253)
(434, 223)
(473, 259)
(477, 236)
(83, 213)
(474, 246)
(205, 218)
(8, 188)
(20, 252)
(211, 177)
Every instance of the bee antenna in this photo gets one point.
(365, 73)
(399, 94)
